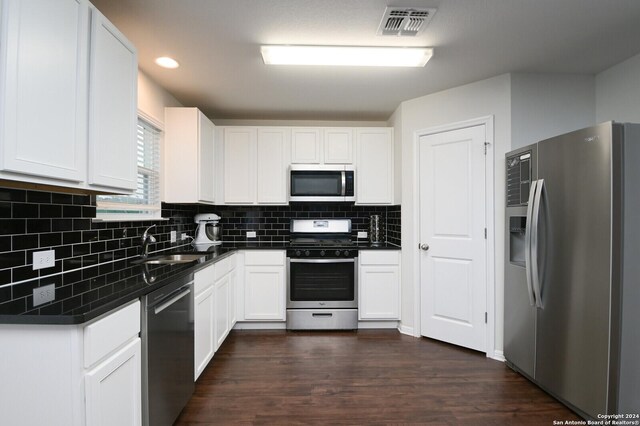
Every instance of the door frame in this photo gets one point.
(487, 121)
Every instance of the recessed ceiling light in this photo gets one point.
(347, 56)
(167, 62)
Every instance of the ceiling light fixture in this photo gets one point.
(347, 56)
(167, 62)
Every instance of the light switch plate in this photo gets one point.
(362, 234)
(251, 234)
(44, 294)
(172, 236)
(44, 259)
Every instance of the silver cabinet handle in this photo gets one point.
(424, 246)
(527, 242)
(535, 273)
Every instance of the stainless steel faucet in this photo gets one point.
(146, 240)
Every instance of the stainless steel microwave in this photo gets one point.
(322, 183)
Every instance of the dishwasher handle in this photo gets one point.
(164, 305)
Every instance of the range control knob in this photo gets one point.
(346, 252)
(337, 252)
(298, 252)
(321, 252)
(307, 253)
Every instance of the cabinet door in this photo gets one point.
(233, 291)
(43, 101)
(221, 300)
(338, 146)
(112, 107)
(240, 165)
(379, 292)
(272, 165)
(264, 293)
(305, 146)
(206, 187)
(204, 338)
(113, 389)
(374, 170)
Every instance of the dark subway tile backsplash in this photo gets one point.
(271, 223)
(32, 221)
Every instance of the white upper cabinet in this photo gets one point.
(305, 145)
(338, 145)
(319, 145)
(112, 107)
(273, 150)
(68, 97)
(240, 165)
(43, 75)
(188, 156)
(374, 165)
(256, 162)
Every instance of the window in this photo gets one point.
(144, 203)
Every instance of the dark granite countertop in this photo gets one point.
(84, 294)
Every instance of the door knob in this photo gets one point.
(424, 247)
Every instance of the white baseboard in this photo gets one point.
(377, 324)
(497, 355)
(268, 325)
(406, 330)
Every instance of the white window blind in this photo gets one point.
(145, 201)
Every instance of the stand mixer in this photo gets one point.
(208, 231)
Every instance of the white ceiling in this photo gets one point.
(217, 43)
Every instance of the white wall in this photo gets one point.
(618, 92)
(489, 97)
(152, 98)
(547, 105)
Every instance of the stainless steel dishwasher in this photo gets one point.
(167, 352)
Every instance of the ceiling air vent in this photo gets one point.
(404, 21)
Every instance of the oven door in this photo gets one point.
(322, 283)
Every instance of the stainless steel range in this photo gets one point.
(322, 276)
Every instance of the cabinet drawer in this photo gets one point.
(224, 266)
(379, 257)
(109, 333)
(204, 278)
(264, 257)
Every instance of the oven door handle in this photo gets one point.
(344, 184)
(352, 260)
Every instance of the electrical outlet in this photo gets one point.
(172, 235)
(44, 294)
(362, 234)
(251, 234)
(44, 259)
(183, 236)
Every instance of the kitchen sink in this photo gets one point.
(170, 259)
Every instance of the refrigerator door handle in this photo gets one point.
(527, 243)
(535, 272)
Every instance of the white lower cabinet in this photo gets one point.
(264, 285)
(204, 322)
(214, 306)
(113, 389)
(222, 309)
(379, 285)
(87, 374)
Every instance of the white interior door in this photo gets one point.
(452, 237)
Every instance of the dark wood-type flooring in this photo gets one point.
(364, 377)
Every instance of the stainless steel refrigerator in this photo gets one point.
(572, 275)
